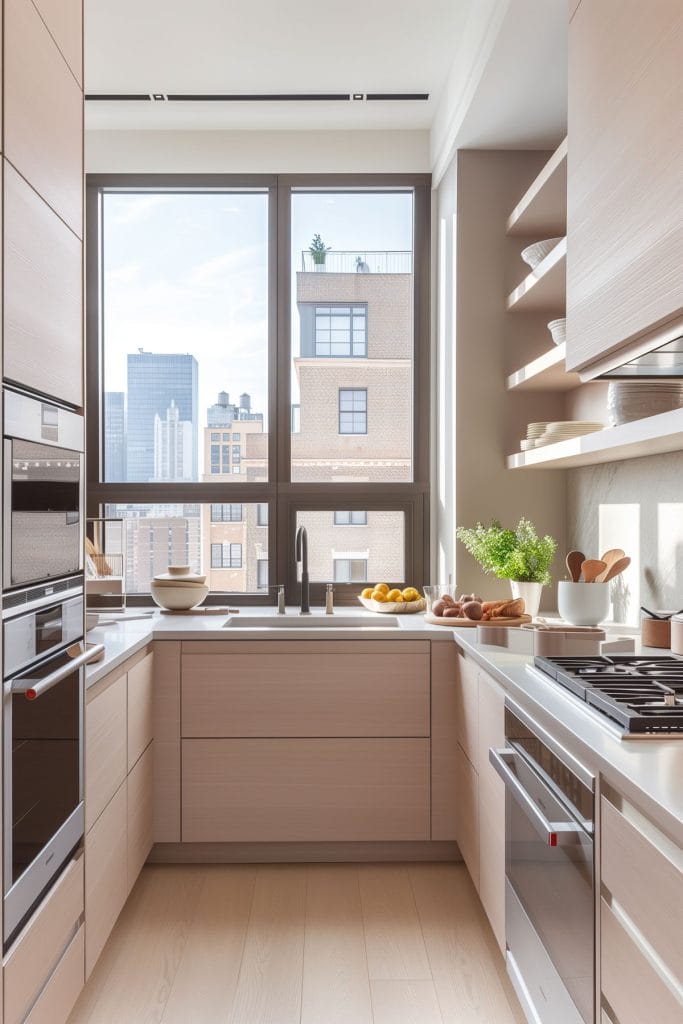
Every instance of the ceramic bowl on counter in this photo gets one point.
(177, 598)
(583, 604)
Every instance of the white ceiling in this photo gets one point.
(269, 46)
(495, 70)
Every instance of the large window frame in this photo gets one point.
(284, 497)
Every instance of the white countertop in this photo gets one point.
(650, 772)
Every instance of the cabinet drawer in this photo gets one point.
(467, 721)
(105, 747)
(645, 882)
(106, 888)
(43, 300)
(314, 691)
(43, 114)
(632, 987)
(139, 708)
(139, 815)
(305, 789)
(59, 996)
(467, 793)
(42, 941)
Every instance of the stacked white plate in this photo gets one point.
(627, 400)
(564, 430)
(533, 432)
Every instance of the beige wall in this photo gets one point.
(256, 152)
(636, 505)
(489, 421)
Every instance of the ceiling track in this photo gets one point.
(288, 97)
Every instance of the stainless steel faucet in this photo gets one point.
(301, 555)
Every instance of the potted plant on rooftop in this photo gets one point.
(518, 555)
(318, 251)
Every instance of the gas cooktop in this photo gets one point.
(642, 695)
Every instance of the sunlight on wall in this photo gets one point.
(669, 552)
(619, 527)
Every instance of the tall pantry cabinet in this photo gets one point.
(43, 197)
(41, 228)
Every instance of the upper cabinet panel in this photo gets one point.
(64, 19)
(43, 295)
(43, 113)
(625, 176)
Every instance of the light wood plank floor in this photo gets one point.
(301, 944)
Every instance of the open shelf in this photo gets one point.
(651, 436)
(545, 289)
(542, 209)
(546, 373)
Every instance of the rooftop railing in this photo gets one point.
(360, 261)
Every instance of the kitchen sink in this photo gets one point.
(310, 622)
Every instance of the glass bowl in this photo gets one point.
(435, 591)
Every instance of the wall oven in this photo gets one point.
(43, 702)
(549, 869)
(43, 490)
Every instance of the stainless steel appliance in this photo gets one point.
(635, 696)
(43, 490)
(43, 702)
(549, 873)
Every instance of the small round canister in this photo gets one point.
(657, 632)
(677, 634)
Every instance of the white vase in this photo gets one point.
(531, 592)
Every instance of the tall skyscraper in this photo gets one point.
(114, 436)
(155, 380)
(172, 446)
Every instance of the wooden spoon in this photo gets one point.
(614, 569)
(574, 561)
(592, 569)
(612, 555)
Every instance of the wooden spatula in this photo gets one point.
(592, 568)
(574, 561)
(613, 570)
(612, 555)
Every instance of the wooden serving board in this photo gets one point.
(440, 620)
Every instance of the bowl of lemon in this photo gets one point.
(390, 600)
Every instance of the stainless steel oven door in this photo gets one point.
(43, 780)
(43, 491)
(549, 894)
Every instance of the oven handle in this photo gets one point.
(554, 833)
(33, 689)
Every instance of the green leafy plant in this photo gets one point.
(518, 554)
(318, 249)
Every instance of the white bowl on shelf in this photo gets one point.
(177, 599)
(558, 330)
(583, 604)
(537, 252)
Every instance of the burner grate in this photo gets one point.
(643, 695)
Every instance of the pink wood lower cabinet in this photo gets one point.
(310, 790)
(316, 688)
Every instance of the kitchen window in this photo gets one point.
(243, 395)
(353, 411)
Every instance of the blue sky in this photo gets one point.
(188, 273)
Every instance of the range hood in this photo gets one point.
(662, 363)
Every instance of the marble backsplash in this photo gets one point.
(636, 505)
